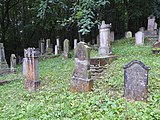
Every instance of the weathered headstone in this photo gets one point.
(139, 38)
(57, 43)
(66, 48)
(75, 43)
(13, 63)
(128, 34)
(3, 64)
(42, 48)
(81, 78)
(56, 50)
(112, 36)
(156, 48)
(136, 81)
(155, 26)
(104, 48)
(151, 23)
(48, 45)
(30, 69)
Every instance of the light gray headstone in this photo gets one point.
(56, 50)
(139, 38)
(42, 48)
(159, 35)
(75, 43)
(13, 63)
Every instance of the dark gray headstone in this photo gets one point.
(136, 81)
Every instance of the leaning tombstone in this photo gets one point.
(13, 63)
(3, 64)
(81, 78)
(30, 66)
(104, 48)
(139, 38)
(136, 81)
(128, 34)
(66, 48)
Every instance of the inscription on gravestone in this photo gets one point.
(136, 81)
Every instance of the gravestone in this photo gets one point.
(156, 48)
(30, 69)
(112, 36)
(136, 81)
(128, 34)
(139, 38)
(57, 43)
(13, 63)
(3, 64)
(48, 46)
(42, 48)
(66, 48)
(56, 50)
(159, 34)
(75, 43)
(104, 48)
(81, 78)
(151, 23)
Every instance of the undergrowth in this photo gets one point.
(54, 101)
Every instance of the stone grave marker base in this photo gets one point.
(79, 85)
(32, 85)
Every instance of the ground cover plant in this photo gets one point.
(55, 101)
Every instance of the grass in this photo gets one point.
(54, 101)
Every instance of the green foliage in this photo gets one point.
(84, 14)
(55, 101)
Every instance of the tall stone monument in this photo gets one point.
(13, 63)
(104, 48)
(81, 78)
(66, 48)
(3, 64)
(139, 38)
(136, 81)
(30, 69)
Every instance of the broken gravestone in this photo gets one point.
(30, 69)
(81, 78)
(13, 63)
(136, 81)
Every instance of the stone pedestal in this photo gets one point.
(104, 48)
(81, 78)
(30, 69)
